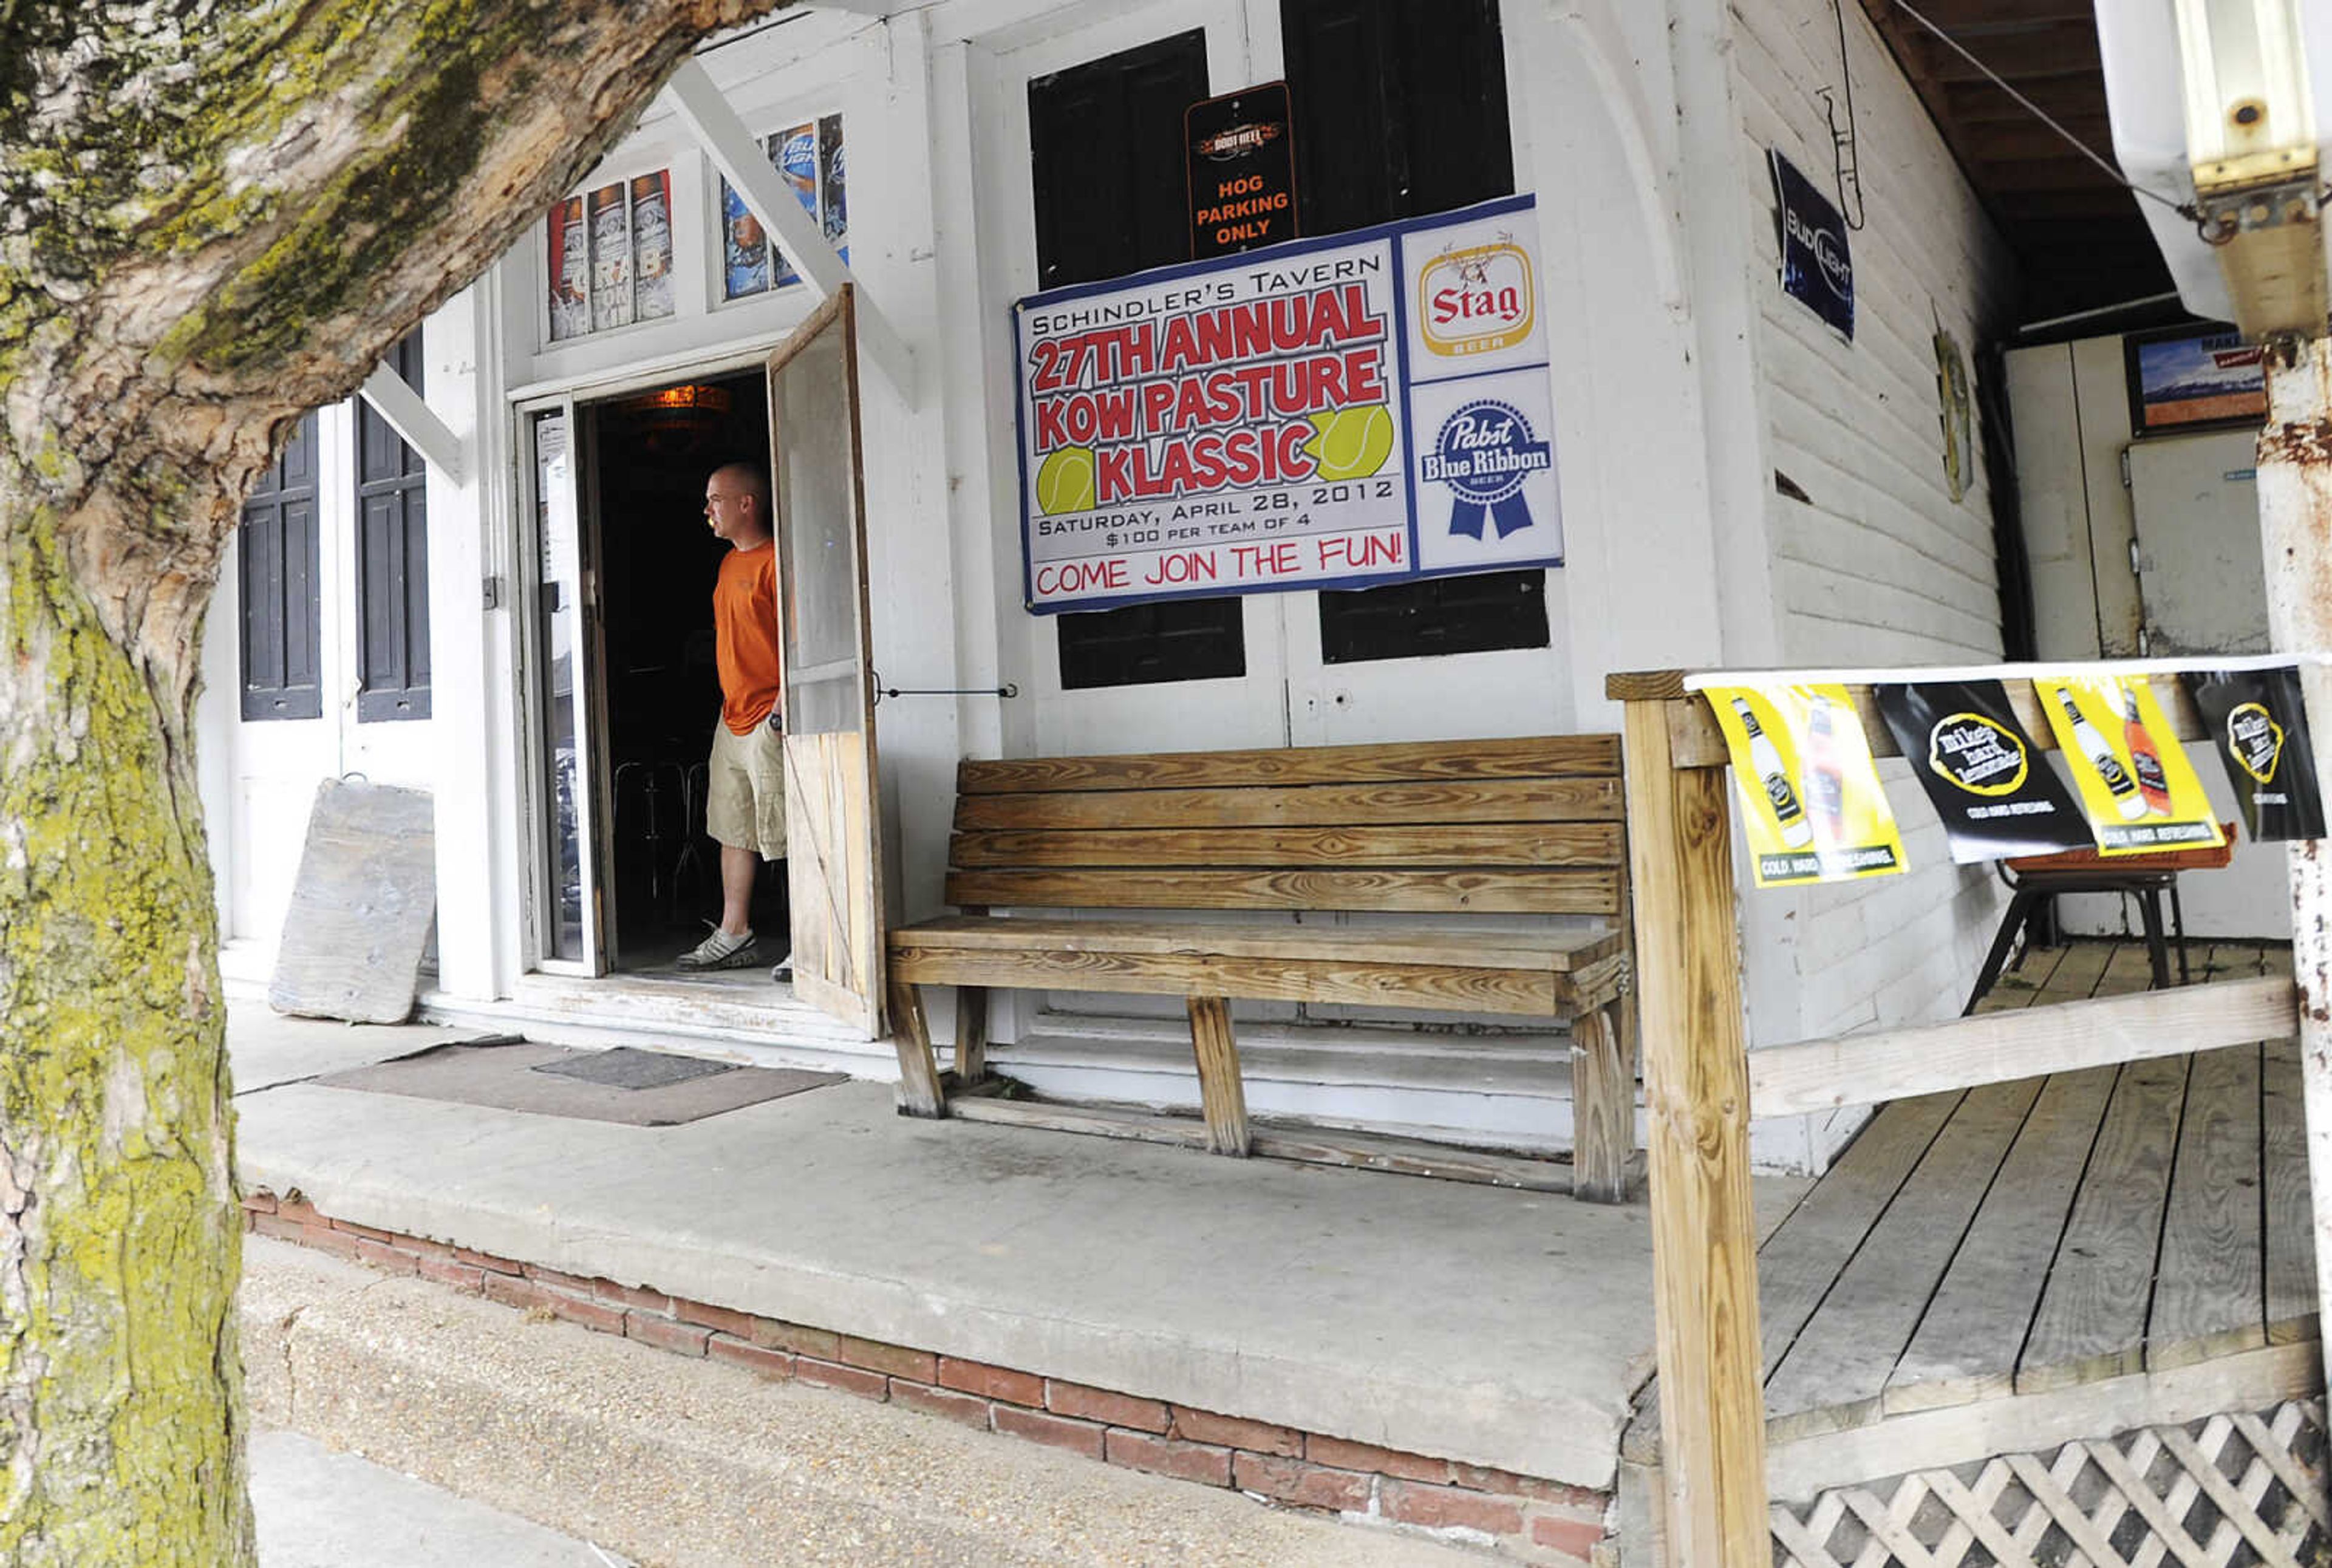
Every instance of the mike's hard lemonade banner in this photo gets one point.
(1332, 412)
(1996, 796)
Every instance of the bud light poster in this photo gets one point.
(1817, 267)
(2139, 791)
(1332, 412)
(1995, 793)
(1810, 795)
(2260, 724)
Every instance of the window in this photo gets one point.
(1400, 110)
(608, 256)
(275, 554)
(1107, 159)
(392, 560)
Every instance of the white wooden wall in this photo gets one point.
(1881, 566)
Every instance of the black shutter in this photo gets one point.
(392, 559)
(275, 552)
(1400, 112)
(1107, 159)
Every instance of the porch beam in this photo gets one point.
(416, 421)
(2294, 502)
(696, 101)
(880, 9)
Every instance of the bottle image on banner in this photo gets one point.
(2101, 755)
(1825, 779)
(2145, 760)
(1766, 758)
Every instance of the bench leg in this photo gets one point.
(971, 1034)
(1602, 1106)
(1221, 1091)
(919, 1074)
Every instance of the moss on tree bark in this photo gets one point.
(214, 214)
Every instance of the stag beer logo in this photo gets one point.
(1972, 753)
(2255, 740)
(1473, 301)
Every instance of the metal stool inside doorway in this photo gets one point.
(2036, 879)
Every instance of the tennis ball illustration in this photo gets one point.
(1064, 481)
(1351, 442)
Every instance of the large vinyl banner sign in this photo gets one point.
(1332, 412)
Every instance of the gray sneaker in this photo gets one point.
(782, 972)
(721, 951)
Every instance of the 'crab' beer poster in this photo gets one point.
(2135, 784)
(1995, 793)
(1330, 412)
(1810, 794)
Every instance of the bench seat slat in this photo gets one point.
(1589, 843)
(1456, 891)
(1532, 993)
(1556, 951)
(1529, 757)
(1530, 800)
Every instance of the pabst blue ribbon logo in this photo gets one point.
(1485, 453)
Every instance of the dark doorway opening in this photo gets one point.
(652, 453)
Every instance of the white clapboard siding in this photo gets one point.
(1881, 567)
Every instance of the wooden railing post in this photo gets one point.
(1697, 1098)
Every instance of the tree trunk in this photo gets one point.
(214, 214)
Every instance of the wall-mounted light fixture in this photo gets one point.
(2212, 104)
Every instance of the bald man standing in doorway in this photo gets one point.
(745, 802)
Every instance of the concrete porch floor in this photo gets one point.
(1494, 1327)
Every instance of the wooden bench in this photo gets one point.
(1507, 828)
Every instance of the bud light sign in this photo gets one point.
(1817, 267)
(1328, 413)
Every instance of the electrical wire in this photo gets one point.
(1845, 150)
(2186, 210)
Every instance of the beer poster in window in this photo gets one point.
(2260, 722)
(1241, 167)
(2135, 784)
(611, 212)
(567, 248)
(1335, 413)
(1995, 793)
(1810, 798)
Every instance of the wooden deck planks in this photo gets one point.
(1798, 1264)
(2210, 1286)
(1966, 1345)
(2092, 1319)
(2290, 1240)
(1835, 1375)
(2076, 975)
(2111, 1182)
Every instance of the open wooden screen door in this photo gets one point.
(834, 830)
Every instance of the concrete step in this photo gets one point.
(667, 1461)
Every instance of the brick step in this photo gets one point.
(685, 1432)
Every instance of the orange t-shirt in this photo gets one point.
(745, 637)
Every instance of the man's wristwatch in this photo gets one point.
(776, 722)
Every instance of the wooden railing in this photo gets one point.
(1702, 1086)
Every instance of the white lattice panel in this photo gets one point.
(2233, 1491)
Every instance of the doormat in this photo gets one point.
(629, 1068)
(548, 1081)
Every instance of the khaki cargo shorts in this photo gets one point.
(745, 801)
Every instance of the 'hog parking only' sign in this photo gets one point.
(1327, 413)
